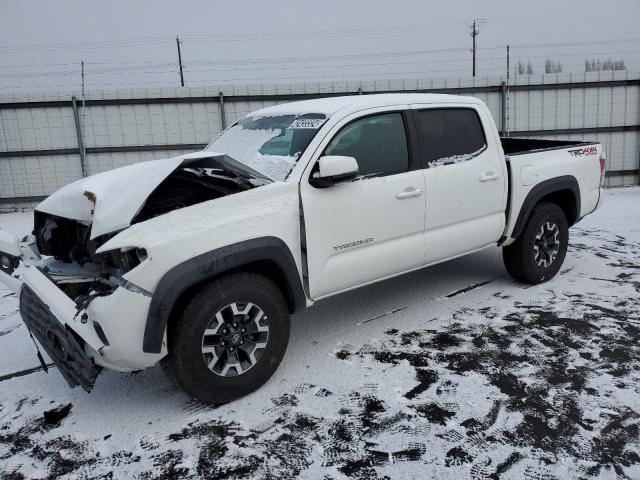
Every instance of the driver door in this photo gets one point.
(372, 227)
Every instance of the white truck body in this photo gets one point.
(350, 234)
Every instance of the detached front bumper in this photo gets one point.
(107, 334)
(52, 319)
(59, 342)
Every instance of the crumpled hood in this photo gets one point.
(110, 200)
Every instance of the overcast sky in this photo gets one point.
(132, 43)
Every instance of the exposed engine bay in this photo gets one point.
(82, 273)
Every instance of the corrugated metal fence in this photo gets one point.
(50, 139)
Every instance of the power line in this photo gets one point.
(351, 75)
(570, 44)
(354, 76)
(253, 36)
(168, 67)
(135, 67)
(125, 70)
(309, 62)
(231, 37)
(148, 64)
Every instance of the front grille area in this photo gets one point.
(59, 343)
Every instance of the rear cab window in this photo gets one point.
(449, 135)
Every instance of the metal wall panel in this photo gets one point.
(148, 123)
(37, 129)
(601, 106)
(155, 124)
(236, 110)
(37, 176)
(101, 162)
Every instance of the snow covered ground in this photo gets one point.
(451, 372)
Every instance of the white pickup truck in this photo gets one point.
(199, 260)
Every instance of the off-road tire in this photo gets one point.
(185, 364)
(520, 257)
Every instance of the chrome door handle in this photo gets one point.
(409, 192)
(489, 176)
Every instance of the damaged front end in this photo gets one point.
(12, 253)
(72, 261)
(72, 245)
(74, 298)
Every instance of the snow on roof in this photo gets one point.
(351, 103)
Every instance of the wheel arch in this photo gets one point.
(563, 191)
(268, 256)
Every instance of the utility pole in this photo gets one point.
(474, 34)
(477, 22)
(507, 64)
(506, 133)
(82, 74)
(180, 61)
(79, 124)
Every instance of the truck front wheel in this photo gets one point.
(538, 253)
(230, 338)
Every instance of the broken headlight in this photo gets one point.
(125, 261)
(114, 264)
(132, 287)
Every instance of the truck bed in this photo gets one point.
(520, 146)
(531, 163)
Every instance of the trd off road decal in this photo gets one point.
(578, 152)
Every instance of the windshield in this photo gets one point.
(269, 144)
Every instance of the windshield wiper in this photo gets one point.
(242, 170)
(233, 166)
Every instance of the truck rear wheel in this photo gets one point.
(230, 338)
(538, 253)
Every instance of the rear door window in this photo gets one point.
(449, 135)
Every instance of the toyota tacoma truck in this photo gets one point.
(198, 261)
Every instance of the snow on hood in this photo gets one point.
(110, 200)
(240, 216)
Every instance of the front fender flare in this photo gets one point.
(208, 265)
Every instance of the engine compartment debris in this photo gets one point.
(56, 415)
(84, 274)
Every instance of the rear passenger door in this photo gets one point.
(465, 180)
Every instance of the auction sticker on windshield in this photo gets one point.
(313, 123)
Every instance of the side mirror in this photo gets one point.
(334, 169)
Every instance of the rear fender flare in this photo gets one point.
(541, 190)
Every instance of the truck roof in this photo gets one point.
(352, 103)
